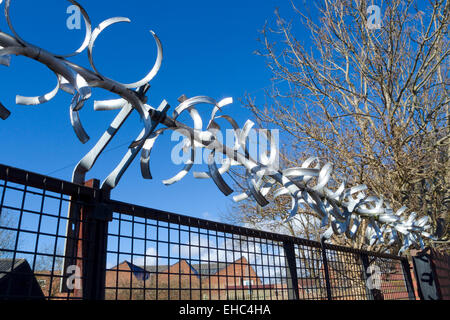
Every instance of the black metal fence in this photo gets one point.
(64, 241)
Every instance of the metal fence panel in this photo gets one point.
(126, 252)
(33, 225)
(156, 260)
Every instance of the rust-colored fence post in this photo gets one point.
(94, 234)
(86, 247)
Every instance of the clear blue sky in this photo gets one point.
(208, 50)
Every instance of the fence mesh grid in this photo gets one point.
(150, 259)
(146, 254)
(391, 278)
(33, 234)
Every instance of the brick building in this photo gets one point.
(182, 281)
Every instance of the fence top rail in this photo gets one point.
(363, 252)
(19, 176)
(39, 181)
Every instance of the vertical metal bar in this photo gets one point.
(119, 232)
(61, 199)
(408, 279)
(270, 282)
(227, 280)
(180, 285)
(275, 276)
(157, 261)
(36, 247)
(71, 235)
(246, 275)
(209, 266)
(292, 279)
(219, 276)
(145, 262)
(234, 265)
(241, 265)
(325, 267)
(132, 292)
(190, 261)
(16, 242)
(169, 272)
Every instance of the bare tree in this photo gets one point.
(374, 102)
(48, 259)
(7, 237)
